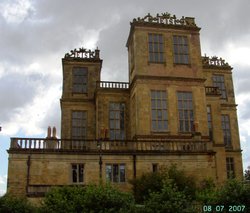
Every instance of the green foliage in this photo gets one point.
(10, 204)
(234, 192)
(89, 199)
(154, 182)
(151, 182)
(169, 199)
(247, 173)
(64, 199)
(207, 193)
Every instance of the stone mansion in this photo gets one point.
(177, 108)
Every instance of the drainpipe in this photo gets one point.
(28, 173)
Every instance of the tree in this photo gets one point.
(247, 173)
(154, 182)
(91, 198)
(168, 200)
(11, 204)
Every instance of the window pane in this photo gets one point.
(122, 173)
(117, 121)
(108, 173)
(185, 109)
(159, 110)
(156, 48)
(115, 173)
(180, 47)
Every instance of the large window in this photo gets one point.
(159, 110)
(185, 109)
(116, 121)
(209, 120)
(225, 122)
(218, 81)
(77, 173)
(115, 173)
(79, 124)
(230, 168)
(156, 48)
(181, 53)
(80, 79)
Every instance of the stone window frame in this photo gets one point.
(181, 51)
(219, 81)
(79, 122)
(80, 80)
(159, 111)
(115, 172)
(156, 48)
(117, 129)
(226, 129)
(77, 173)
(185, 111)
(230, 167)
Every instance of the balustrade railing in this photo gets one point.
(112, 85)
(109, 145)
(212, 91)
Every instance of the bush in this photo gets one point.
(170, 199)
(88, 199)
(154, 182)
(10, 204)
(234, 192)
(64, 199)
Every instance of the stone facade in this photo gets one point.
(109, 130)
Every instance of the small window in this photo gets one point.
(209, 120)
(230, 168)
(77, 173)
(225, 123)
(80, 79)
(156, 48)
(218, 81)
(159, 116)
(181, 52)
(115, 173)
(185, 110)
(79, 124)
(117, 121)
(155, 167)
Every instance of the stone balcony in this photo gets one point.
(109, 146)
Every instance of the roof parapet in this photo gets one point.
(166, 19)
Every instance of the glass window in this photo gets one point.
(185, 110)
(225, 122)
(77, 173)
(180, 47)
(115, 173)
(79, 124)
(156, 48)
(117, 121)
(230, 168)
(80, 79)
(218, 81)
(209, 120)
(159, 110)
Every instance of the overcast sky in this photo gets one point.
(35, 35)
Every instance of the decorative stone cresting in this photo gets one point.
(167, 19)
(83, 53)
(214, 61)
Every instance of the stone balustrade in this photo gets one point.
(110, 145)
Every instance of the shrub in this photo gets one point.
(169, 199)
(11, 204)
(91, 198)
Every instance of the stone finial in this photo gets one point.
(49, 132)
(54, 132)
